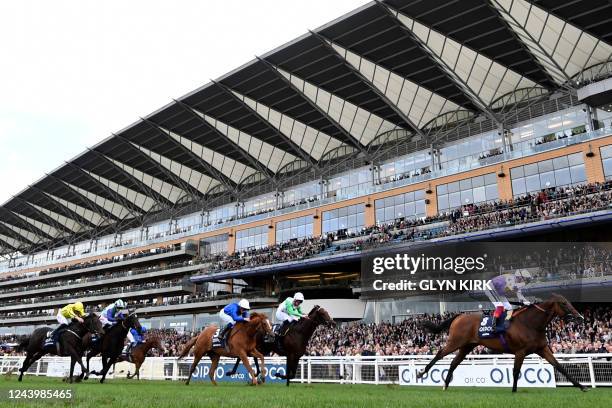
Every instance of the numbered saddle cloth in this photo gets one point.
(216, 341)
(486, 329)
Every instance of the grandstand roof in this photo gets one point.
(396, 67)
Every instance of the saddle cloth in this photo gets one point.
(486, 329)
(216, 341)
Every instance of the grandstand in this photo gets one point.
(398, 123)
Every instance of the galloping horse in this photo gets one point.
(526, 335)
(70, 342)
(139, 353)
(111, 344)
(293, 343)
(241, 343)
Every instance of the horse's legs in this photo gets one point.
(197, 356)
(72, 363)
(444, 351)
(257, 355)
(233, 370)
(87, 358)
(292, 367)
(245, 360)
(214, 363)
(547, 355)
(463, 351)
(29, 360)
(519, 356)
(106, 365)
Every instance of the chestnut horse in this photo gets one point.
(139, 353)
(526, 335)
(241, 343)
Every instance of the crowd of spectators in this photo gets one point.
(594, 335)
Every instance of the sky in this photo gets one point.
(73, 72)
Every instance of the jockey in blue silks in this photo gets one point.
(135, 338)
(232, 313)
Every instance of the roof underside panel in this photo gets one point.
(476, 25)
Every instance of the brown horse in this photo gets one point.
(526, 335)
(139, 353)
(241, 342)
(293, 344)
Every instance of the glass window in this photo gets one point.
(349, 218)
(295, 228)
(568, 170)
(468, 191)
(252, 238)
(399, 207)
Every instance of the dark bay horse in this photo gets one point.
(139, 353)
(70, 342)
(526, 335)
(241, 343)
(111, 344)
(293, 344)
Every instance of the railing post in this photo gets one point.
(591, 372)
(302, 370)
(376, 370)
(309, 371)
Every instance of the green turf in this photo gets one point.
(153, 394)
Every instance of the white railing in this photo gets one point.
(594, 370)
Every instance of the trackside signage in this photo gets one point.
(482, 375)
(242, 375)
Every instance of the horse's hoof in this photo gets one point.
(584, 389)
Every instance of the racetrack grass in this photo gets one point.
(153, 394)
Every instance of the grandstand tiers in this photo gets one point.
(398, 113)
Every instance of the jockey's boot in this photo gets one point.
(499, 310)
(224, 332)
(55, 333)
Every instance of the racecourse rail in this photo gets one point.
(594, 370)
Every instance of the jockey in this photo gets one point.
(135, 338)
(111, 312)
(290, 310)
(71, 311)
(505, 285)
(232, 313)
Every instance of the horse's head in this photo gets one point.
(131, 322)
(93, 324)
(261, 323)
(156, 343)
(563, 308)
(320, 316)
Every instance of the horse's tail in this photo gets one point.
(23, 344)
(438, 328)
(188, 347)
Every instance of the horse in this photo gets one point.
(70, 344)
(111, 344)
(526, 335)
(293, 343)
(139, 353)
(241, 343)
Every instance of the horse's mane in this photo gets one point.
(257, 316)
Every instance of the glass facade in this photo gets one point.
(407, 166)
(548, 128)
(409, 205)
(350, 184)
(346, 219)
(606, 158)
(252, 238)
(213, 245)
(557, 172)
(296, 228)
(468, 191)
(468, 152)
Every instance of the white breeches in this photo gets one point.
(227, 319)
(281, 316)
(61, 319)
(498, 300)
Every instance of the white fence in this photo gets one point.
(593, 370)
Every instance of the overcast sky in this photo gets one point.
(72, 72)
